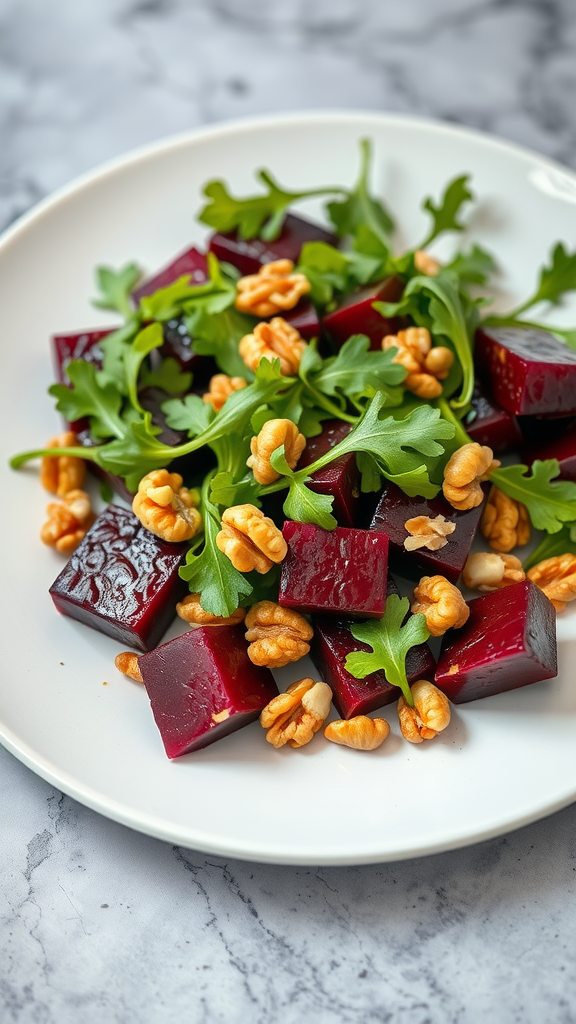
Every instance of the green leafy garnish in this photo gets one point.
(134, 355)
(168, 377)
(219, 335)
(550, 503)
(445, 215)
(472, 267)
(390, 641)
(360, 210)
(261, 215)
(553, 544)
(556, 279)
(116, 287)
(86, 397)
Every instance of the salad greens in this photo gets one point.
(390, 639)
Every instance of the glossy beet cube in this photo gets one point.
(392, 511)
(508, 641)
(202, 686)
(341, 478)
(77, 345)
(191, 262)
(488, 423)
(553, 440)
(529, 370)
(356, 315)
(333, 641)
(249, 255)
(304, 318)
(336, 572)
(122, 580)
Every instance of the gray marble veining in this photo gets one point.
(98, 923)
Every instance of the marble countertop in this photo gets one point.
(99, 923)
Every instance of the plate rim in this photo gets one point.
(153, 825)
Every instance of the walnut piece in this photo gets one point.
(429, 716)
(220, 388)
(360, 733)
(426, 366)
(273, 289)
(426, 264)
(464, 472)
(556, 577)
(166, 508)
(293, 717)
(68, 522)
(250, 539)
(505, 523)
(273, 434)
(127, 664)
(190, 609)
(487, 571)
(441, 603)
(428, 533)
(276, 635)
(60, 474)
(274, 340)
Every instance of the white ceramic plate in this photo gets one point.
(503, 762)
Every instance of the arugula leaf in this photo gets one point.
(87, 398)
(549, 504)
(114, 346)
(370, 478)
(134, 354)
(116, 286)
(211, 573)
(473, 267)
(219, 335)
(561, 543)
(189, 413)
(356, 368)
(226, 492)
(390, 641)
(445, 215)
(327, 271)
(215, 295)
(169, 377)
(261, 216)
(360, 209)
(303, 505)
(555, 280)
(436, 303)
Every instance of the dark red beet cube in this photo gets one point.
(304, 319)
(553, 440)
(333, 641)
(341, 478)
(356, 315)
(122, 580)
(508, 641)
(395, 508)
(203, 686)
(249, 255)
(191, 262)
(529, 370)
(336, 572)
(77, 345)
(180, 346)
(488, 423)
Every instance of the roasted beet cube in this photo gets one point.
(77, 345)
(341, 478)
(356, 315)
(180, 346)
(122, 580)
(203, 686)
(333, 641)
(530, 372)
(249, 255)
(304, 318)
(395, 508)
(336, 572)
(508, 641)
(191, 262)
(488, 423)
(554, 439)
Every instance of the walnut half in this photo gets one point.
(166, 508)
(250, 539)
(277, 636)
(429, 716)
(360, 733)
(293, 717)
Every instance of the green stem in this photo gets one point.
(448, 414)
(90, 454)
(331, 407)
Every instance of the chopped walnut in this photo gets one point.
(487, 571)
(293, 717)
(360, 733)
(465, 470)
(190, 609)
(441, 603)
(273, 289)
(220, 388)
(426, 366)
(250, 539)
(276, 635)
(166, 508)
(60, 474)
(274, 340)
(68, 522)
(221, 716)
(556, 577)
(426, 264)
(505, 523)
(127, 664)
(428, 533)
(273, 434)
(429, 716)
